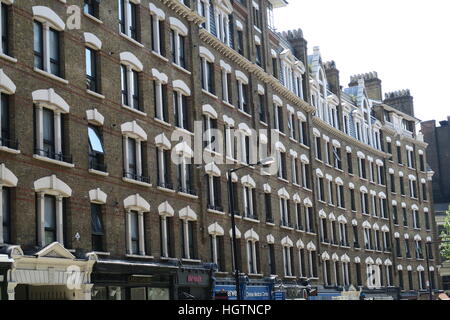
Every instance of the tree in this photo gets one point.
(445, 236)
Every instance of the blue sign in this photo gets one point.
(250, 292)
(279, 295)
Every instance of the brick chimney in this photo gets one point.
(372, 84)
(401, 100)
(333, 77)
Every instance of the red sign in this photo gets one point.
(194, 279)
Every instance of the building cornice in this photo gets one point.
(245, 64)
(349, 139)
(183, 11)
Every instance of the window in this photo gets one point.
(5, 123)
(218, 252)
(327, 152)
(324, 230)
(309, 220)
(97, 229)
(4, 28)
(92, 79)
(279, 123)
(398, 247)
(424, 192)
(214, 195)
(337, 158)
(268, 207)
(128, 15)
(303, 131)
(167, 236)
(358, 274)
(243, 102)
(160, 94)
(163, 161)
(410, 280)
(395, 214)
(5, 205)
(356, 237)
(402, 186)
(256, 15)
(158, 32)
(392, 179)
(130, 87)
(362, 168)
(364, 203)
(271, 259)
(350, 162)
(405, 217)
(399, 154)
(320, 189)
(262, 108)
(178, 49)
(306, 181)
(353, 199)
(282, 169)
(327, 272)
(49, 134)
(253, 257)
(46, 48)
(250, 202)
(407, 248)
(259, 59)
(180, 107)
(288, 261)
(134, 160)
(343, 234)
(226, 85)
(96, 151)
(330, 193)
(416, 219)
(50, 219)
(422, 162)
(207, 71)
(188, 236)
(340, 193)
(284, 212)
(313, 264)
(134, 233)
(185, 177)
(291, 125)
(240, 42)
(381, 178)
(294, 170)
(318, 148)
(411, 162)
(92, 7)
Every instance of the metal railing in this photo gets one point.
(54, 156)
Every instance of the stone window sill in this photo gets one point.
(60, 163)
(51, 76)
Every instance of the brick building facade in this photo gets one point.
(93, 205)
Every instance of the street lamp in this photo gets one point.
(267, 162)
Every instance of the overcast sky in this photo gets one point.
(406, 41)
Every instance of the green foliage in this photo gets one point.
(445, 236)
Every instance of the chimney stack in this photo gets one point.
(372, 84)
(401, 100)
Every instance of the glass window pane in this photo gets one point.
(158, 294)
(138, 293)
(6, 213)
(89, 56)
(131, 154)
(134, 225)
(96, 222)
(50, 212)
(48, 120)
(95, 140)
(38, 45)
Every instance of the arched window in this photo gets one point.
(135, 207)
(50, 193)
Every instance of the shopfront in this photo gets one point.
(125, 280)
(194, 283)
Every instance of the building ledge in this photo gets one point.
(8, 58)
(51, 76)
(99, 173)
(59, 163)
(9, 150)
(87, 15)
(139, 183)
(95, 94)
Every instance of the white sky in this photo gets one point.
(406, 41)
